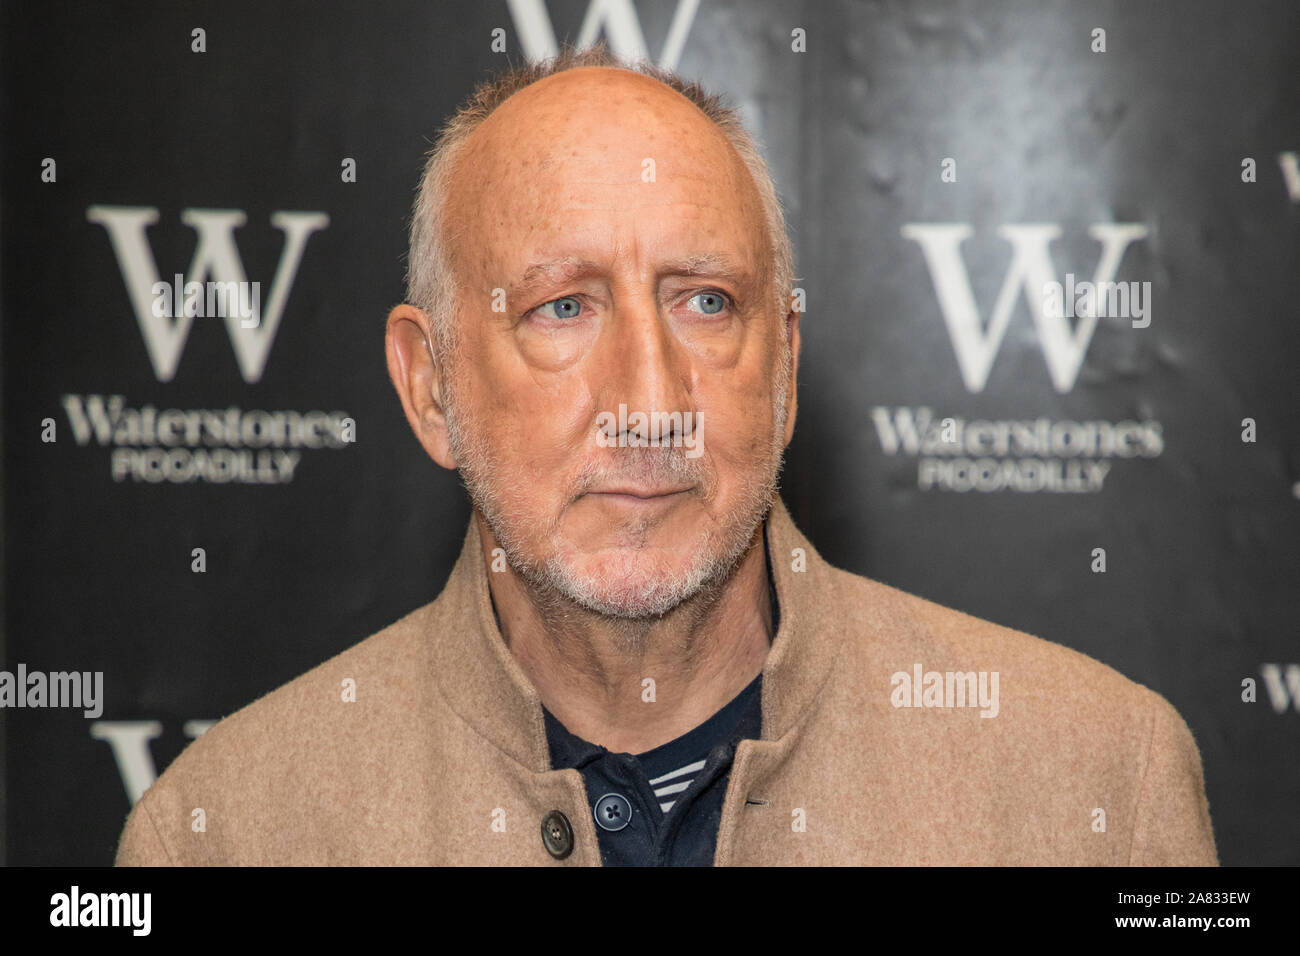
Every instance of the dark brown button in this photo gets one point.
(557, 834)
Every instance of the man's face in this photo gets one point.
(626, 243)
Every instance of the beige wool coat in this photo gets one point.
(442, 757)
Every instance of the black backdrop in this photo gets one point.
(1201, 529)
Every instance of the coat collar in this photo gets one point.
(483, 683)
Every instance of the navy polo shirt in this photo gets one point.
(662, 807)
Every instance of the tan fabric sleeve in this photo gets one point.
(1172, 826)
(141, 844)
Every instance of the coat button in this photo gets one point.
(557, 834)
(613, 811)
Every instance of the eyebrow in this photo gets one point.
(555, 270)
(568, 268)
(710, 264)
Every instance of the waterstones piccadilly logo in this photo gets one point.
(221, 446)
(953, 454)
(1030, 453)
(217, 445)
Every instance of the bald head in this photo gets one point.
(522, 116)
(546, 173)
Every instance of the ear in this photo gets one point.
(418, 380)
(792, 396)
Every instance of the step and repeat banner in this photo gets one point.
(1050, 261)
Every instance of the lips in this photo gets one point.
(641, 493)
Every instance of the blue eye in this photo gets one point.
(711, 303)
(565, 308)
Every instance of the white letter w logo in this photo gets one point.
(618, 20)
(1031, 269)
(216, 255)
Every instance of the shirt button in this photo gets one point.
(557, 834)
(613, 811)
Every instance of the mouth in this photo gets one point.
(632, 495)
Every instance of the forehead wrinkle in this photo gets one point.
(569, 267)
(513, 161)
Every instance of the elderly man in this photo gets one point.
(638, 659)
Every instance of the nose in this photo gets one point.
(645, 367)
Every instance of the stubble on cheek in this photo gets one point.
(628, 582)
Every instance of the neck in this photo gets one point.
(592, 672)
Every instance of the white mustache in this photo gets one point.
(637, 466)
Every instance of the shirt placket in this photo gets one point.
(716, 765)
